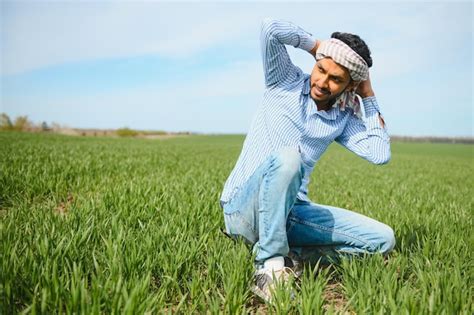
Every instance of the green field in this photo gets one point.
(104, 225)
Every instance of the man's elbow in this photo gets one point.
(268, 25)
(382, 159)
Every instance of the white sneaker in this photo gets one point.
(266, 281)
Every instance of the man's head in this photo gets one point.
(329, 79)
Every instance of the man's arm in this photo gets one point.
(275, 34)
(369, 138)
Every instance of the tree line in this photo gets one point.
(22, 123)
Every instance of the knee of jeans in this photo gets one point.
(386, 240)
(288, 160)
(237, 227)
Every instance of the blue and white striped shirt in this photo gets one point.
(288, 115)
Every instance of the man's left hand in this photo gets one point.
(364, 89)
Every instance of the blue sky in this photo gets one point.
(195, 66)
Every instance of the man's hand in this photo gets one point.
(315, 48)
(364, 89)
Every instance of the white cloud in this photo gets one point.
(38, 34)
(35, 34)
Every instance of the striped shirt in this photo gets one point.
(288, 115)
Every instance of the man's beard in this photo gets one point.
(331, 99)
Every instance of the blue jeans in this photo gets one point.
(267, 214)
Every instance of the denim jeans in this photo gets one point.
(267, 214)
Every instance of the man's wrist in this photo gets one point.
(367, 94)
(315, 48)
(307, 42)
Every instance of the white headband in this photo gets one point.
(342, 54)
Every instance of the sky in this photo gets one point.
(196, 66)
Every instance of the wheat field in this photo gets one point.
(103, 225)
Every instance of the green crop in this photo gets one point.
(104, 225)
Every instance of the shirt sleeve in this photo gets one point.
(274, 36)
(367, 138)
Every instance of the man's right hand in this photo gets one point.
(315, 48)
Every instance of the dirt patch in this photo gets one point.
(334, 297)
(63, 207)
(257, 306)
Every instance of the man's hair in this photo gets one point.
(356, 43)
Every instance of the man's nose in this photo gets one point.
(323, 82)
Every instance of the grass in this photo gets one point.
(101, 225)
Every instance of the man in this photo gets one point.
(265, 199)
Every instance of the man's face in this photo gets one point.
(328, 81)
